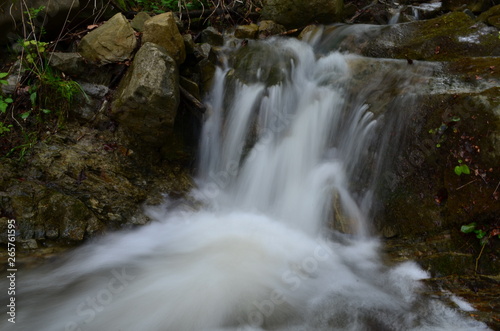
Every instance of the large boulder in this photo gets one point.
(298, 13)
(163, 31)
(454, 127)
(148, 96)
(114, 41)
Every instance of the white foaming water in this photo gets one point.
(279, 162)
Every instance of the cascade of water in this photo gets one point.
(279, 158)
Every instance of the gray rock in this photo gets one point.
(114, 41)
(138, 22)
(189, 44)
(148, 96)
(211, 36)
(70, 63)
(162, 30)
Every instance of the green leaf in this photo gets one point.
(480, 234)
(3, 106)
(3, 74)
(8, 100)
(455, 119)
(46, 111)
(25, 115)
(458, 170)
(468, 228)
(4, 82)
(33, 98)
(465, 169)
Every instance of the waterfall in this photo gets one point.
(292, 153)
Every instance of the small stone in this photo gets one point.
(211, 36)
(246, 31)
(29, 244)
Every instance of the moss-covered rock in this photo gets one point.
(445, 38)
(491, 17)
(455, 125)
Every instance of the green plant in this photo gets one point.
(462, 168)
(4, 101)
(3, 75)
(4, 128)
(32, 14)
(34, 55)
(472, 228)
(440, 131)
(482, 235)
(30, 140)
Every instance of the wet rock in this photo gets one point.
(138, 22)
(270, 28)
(206, 70)
(162, 30)
(147, 99)
(246, 31)
(455, 124)
(444, 38)
(258, 62)
(191, 87)
(114, 41)
(211, 36)
(294, 14)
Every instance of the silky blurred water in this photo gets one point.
(287, 180)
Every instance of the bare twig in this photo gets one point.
(496, 188)
(480, 253)
(472, 181)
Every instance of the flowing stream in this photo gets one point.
(296, 141)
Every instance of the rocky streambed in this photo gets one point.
(130, 140)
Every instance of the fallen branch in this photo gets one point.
(192, 100)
